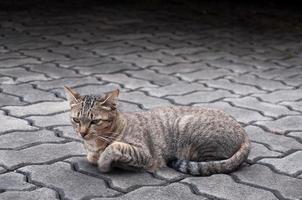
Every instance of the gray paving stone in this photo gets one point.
(6, 99)
(266, 84)
(163, 58)
(289, 164)
(296, 134)
(71, 52)
(296, 105)
(178, 88)
(182, 68)
(268, 109)
(294, 80)
(25, 139)
(262, 176)
(281, 95)
(22, 75)
(69, 81)
(288, 123)
(138, 61)
(2, 170)
(119, 179)
(234, 87)
(52, 70)
(128, 107)
(206, 74)
(6, 80)
(153, 77)
(9, 63)
(126, 81)
(206, 55)
(119, 50)
(241, 115)
(233, 66)
(259, 151)
(84, 62)
(274, 141)
(29, 93)
(170, 192)
(279, 73)
(9, 123)
(44, 55)
(146, 101)
(169, 174)
(201, 96)
(66, 131)
(105, 68)
(43, 108)
(41, 193)
(14, 181)
(223, 186)
(72, 184)
(39, 154)
(51, 120)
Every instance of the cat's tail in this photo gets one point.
(213, 167)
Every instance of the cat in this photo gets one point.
(192, 140)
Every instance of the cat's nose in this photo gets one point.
(83, 134)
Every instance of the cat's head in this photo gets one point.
(93, 116)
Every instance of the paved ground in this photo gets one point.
(205, 56)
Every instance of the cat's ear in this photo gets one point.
(72, 96)
(109, 102)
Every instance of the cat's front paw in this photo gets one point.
(105, 167)
(92, 158)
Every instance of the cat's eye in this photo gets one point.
(96, 121)
(76, 120)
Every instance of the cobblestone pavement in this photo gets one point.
(156, 57)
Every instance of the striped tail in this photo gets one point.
(213, 167)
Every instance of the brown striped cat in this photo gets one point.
(193, 140)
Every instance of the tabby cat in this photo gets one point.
(193, 140)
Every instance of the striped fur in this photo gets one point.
(213, 167)
(193, 140)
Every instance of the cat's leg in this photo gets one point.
(93, 157)
(124, 154)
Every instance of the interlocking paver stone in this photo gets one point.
(14, 181)
(9, 123)
(22, 75)
(281, 95)
(155, 78)
(202, 96)
(288, 123)
(289, 164)
(51, 120)
(73, 184)
(128, 82)
(206, 74)
(236, 88)
(42, 193)
(26, 138)
(223, 186)
(39, 154)
(268, 109)
(260, 175)
(181, 68)
(122, 180)
(18, 62)
(275, 141)
(28, 93)
(43, 108)
(105, 68)
(147, 102)
(71, 82)
(173, 191)
(259, 151)
(177, 88)
(6, 99)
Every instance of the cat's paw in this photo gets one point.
(92, 158)
(104, 168)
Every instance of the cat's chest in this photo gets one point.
(93, 145)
